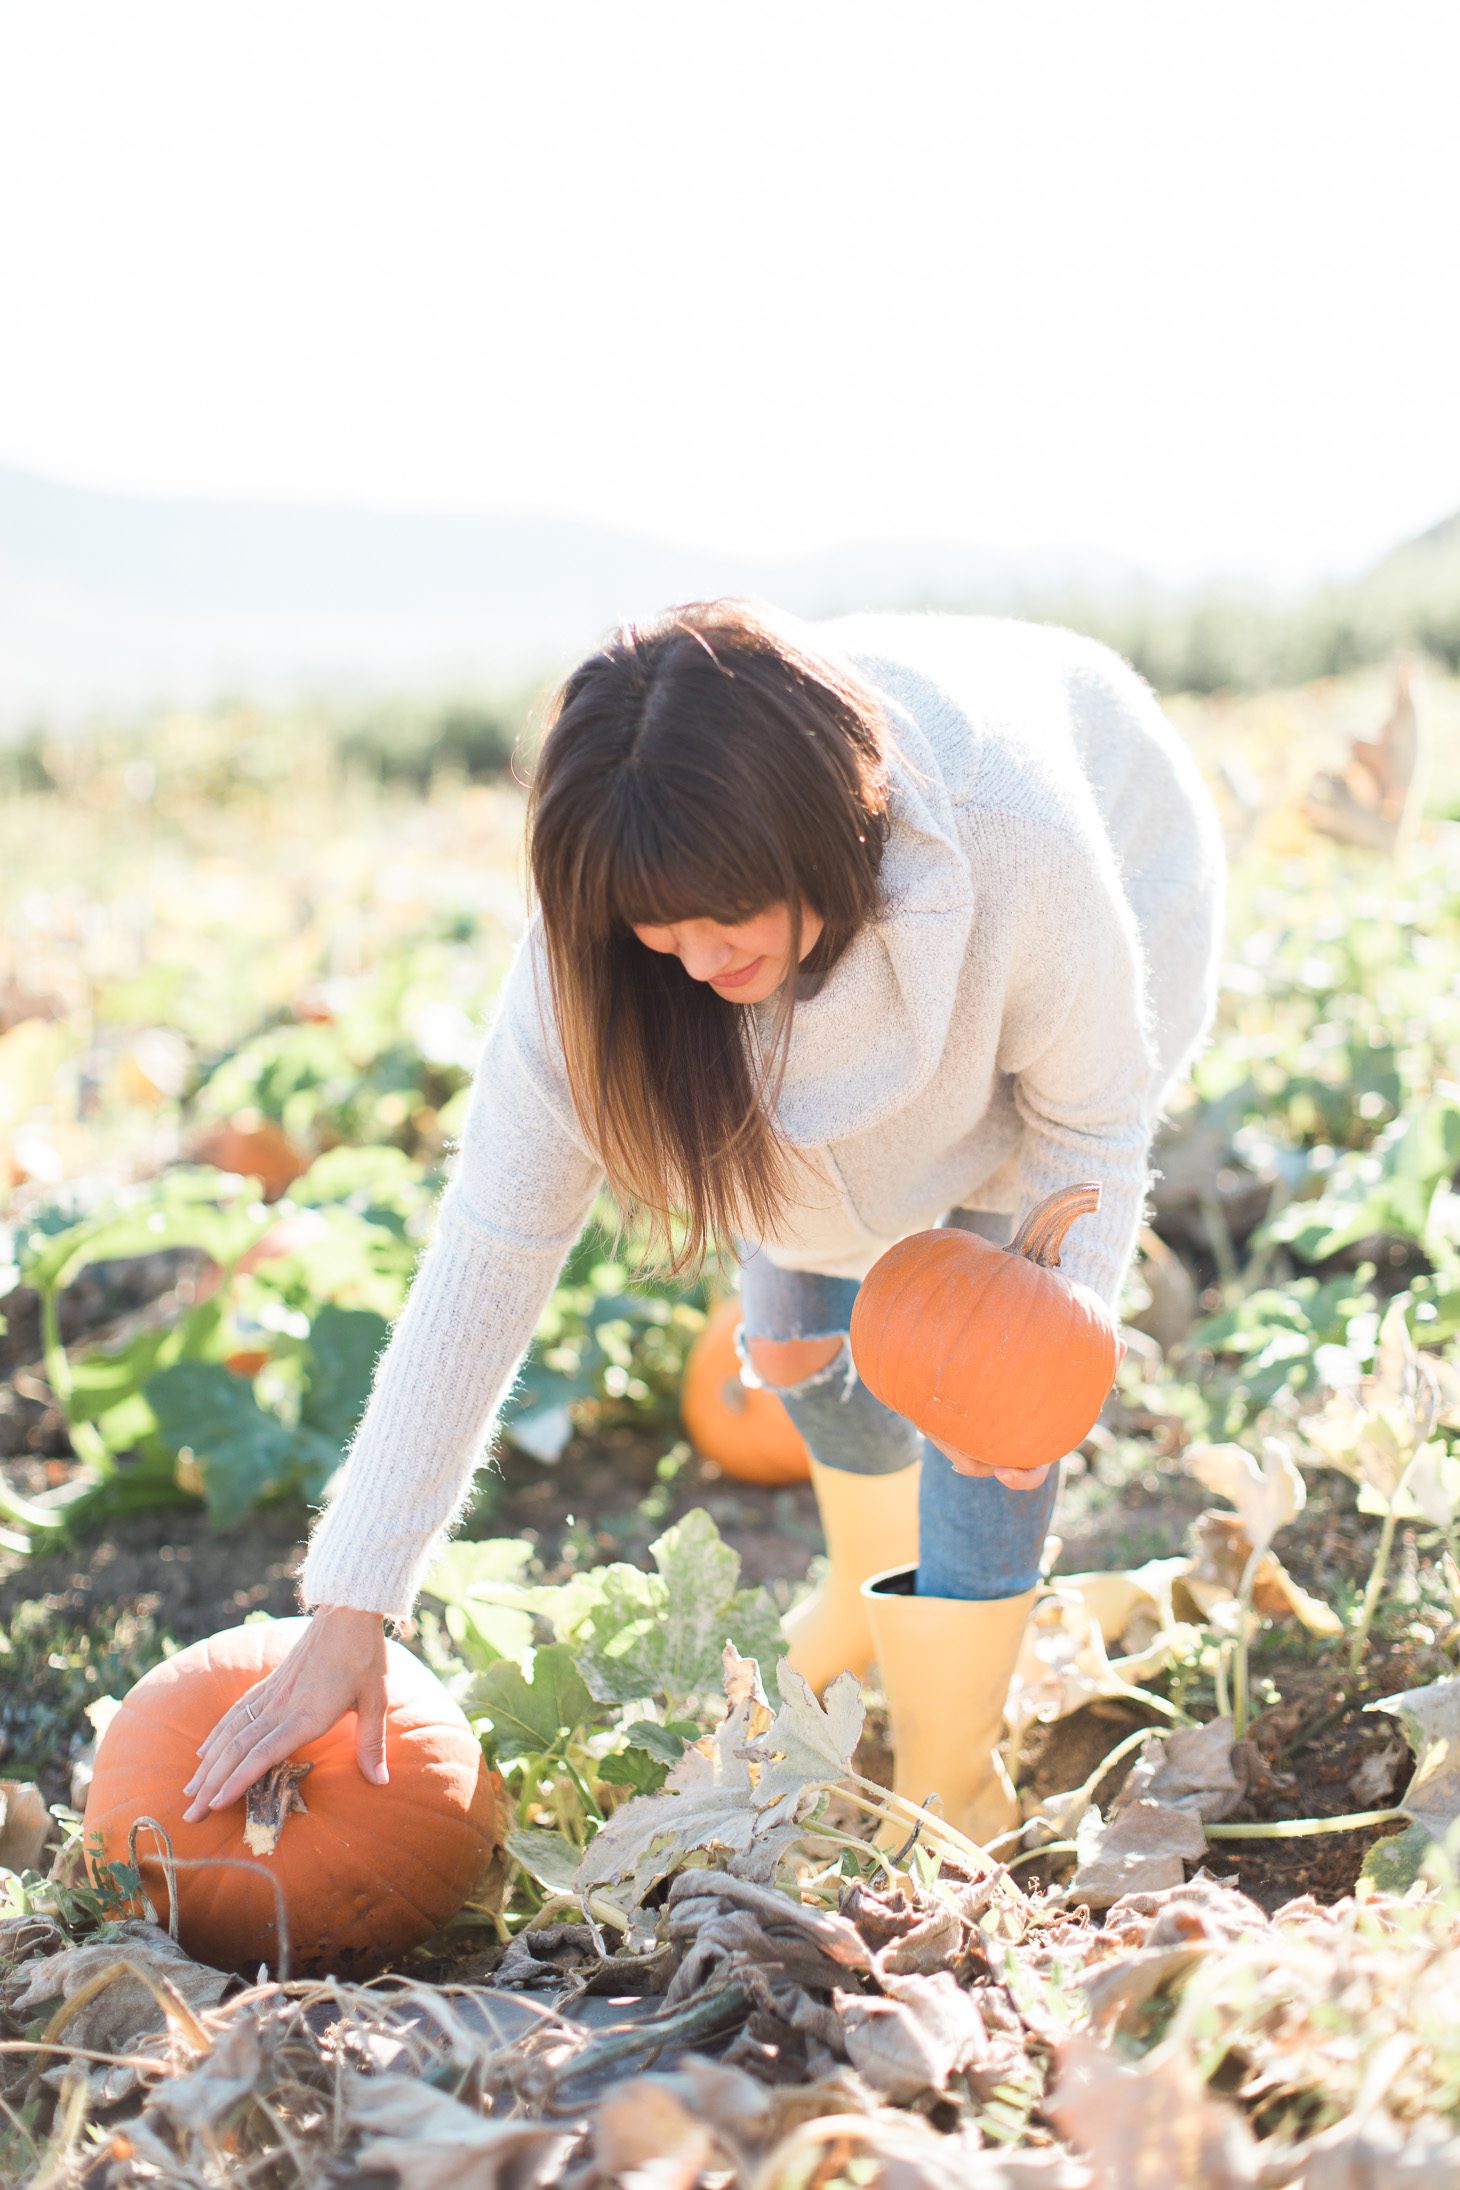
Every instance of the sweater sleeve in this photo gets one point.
(519, 1193)
(1076, 1036)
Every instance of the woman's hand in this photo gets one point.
(337, 1665)
(1011, 1478)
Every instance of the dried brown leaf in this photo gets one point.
(1154, 2127)
(644, 2134)
(198, 2100)
(913, 2040)
(1145, 1848)
(1214, 1574)
(1195, 1768)
(1380, 2154)
(1267, 1494)
(889, 2150)
(433, 2142)
(125, 2012)
(1430, 1718)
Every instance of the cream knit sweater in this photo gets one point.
(1044, 970)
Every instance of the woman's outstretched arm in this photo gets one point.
(519, 1194)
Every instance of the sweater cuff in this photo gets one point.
(1098, 1249)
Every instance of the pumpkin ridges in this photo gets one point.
(376, 1869)
(752, 1437)
(993, 1353)
(215, 1879)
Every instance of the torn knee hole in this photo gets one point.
(785, 1364)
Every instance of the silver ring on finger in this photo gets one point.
(251, 1711)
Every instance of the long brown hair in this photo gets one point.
(706, 764)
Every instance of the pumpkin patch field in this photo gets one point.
(637, 1906)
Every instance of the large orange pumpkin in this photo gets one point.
(366, 1872)
(745, 1431)
(989, 1349)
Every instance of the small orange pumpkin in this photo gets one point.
(255, 1147)
(989, 1349)
(365, 1872)
(247, 1361)
(745, 1431)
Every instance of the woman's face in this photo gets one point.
(745, 963)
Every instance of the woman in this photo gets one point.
(843, 929)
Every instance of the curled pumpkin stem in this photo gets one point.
(1040, 1236)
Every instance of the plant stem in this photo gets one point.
(1079, 1797)
(897, 1810)
(1241, 1688)
(1032, 1855)
(1376, 1581)
(85, 1442)
(581, 1784)
(1219, 1681)
(1302, 1828)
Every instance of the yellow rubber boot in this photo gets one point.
(946, 1664)
(867, 1520)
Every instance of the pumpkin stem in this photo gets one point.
(268, 1802)
(1040, 1235)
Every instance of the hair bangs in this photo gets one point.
(664, 861)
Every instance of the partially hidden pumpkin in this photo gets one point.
(255, 1147)
(991, 1350)
(364, 1872)
(744, 1430)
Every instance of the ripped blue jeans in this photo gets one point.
(977, 1538)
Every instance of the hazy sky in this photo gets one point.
(1174, 280)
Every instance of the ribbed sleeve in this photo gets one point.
(518, 1196)
(1078, 1040)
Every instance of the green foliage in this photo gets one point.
(641, 1635)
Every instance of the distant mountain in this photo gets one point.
(113, 602)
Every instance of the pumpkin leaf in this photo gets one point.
(480, 1586)
(532, 1712)
(432, 2142)
(1374, 1432)
(1143, 1849)
(639, 1635)
(634, 1769)
(548, 1857)
(807, 1740)
(1430, 1720)
(1267, 1495)
(718, 1796)
(243, 1453)
(344, 1346)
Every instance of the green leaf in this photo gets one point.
(244, 1454)
(344, 1346)
(530, 1713)
(665, 1742)
(108, 1389)
(640, 1635)
(186, 1207)
(463, 1570)
(1393, 1864)
(548, 1857)
(1387, 1189)
(635, 1769)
